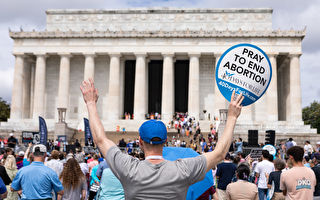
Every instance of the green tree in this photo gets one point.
(4, 110)
(311, 115)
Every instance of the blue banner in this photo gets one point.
(43, 131)
(87, 131)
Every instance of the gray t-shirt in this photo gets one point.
(74, 193)
(166, 180)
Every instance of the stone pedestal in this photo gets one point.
(61, 128)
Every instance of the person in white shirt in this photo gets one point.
(308, 149)
(262, 170)
(54, 163)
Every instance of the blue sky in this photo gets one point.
(287, 14)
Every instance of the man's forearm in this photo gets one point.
(95, 124)
(98, 134)
(214, 157)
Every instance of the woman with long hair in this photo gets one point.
(73, 181)
(11, 169)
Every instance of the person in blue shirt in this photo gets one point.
(225, 172)
(239, 145)
(129, 147)
(37, 180)
(110, 186)
(3, 190)
(102, 165)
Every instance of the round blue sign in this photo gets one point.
(246, 69)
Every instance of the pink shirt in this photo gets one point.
(92, 164)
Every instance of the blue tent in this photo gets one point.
(197, 189)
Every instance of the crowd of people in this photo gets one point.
(80, 175)
(136, 169)
(40, 173)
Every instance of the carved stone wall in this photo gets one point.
(159, 19)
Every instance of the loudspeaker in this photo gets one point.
(253, 138)
(270, 137)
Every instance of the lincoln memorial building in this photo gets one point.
(151, 61)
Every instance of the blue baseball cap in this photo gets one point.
(153, 132)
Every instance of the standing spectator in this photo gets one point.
(316, 170)
(224, 174)
(19, 159)
(122, 144)
(274, 178)
(242, 189)
(94, 183)
(239, 145)
(183, 144)
(55, 163)
(11, 169)
(4, 175)
(83, 166)
(289, 144)
(77, 144)
(3, 190)
(27, 159)
(262, 170)
(299, 181)
(129, 148)
(12, 141)
(57, 145)
(73, 181)
(110, 186)
(93, 163)
(318, 147)
(308, 149)
(37, 180)
(203, 144)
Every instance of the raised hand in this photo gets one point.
(89, 92)
(235, 105)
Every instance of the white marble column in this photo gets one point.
(32, 80)
(88, 73)
(27, 88)
(219, 100)
(295, 88)
(17, 90)
(122, 79)
(167, 107)
(194, 86)
(113, 104)
(140, 86)
(64, 80)
(272, 92)
(39, 86)
(89, 66)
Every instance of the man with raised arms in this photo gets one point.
(155, 177)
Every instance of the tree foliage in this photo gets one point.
(4, 110)
(311, 115)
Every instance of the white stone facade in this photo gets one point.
(79, 44)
